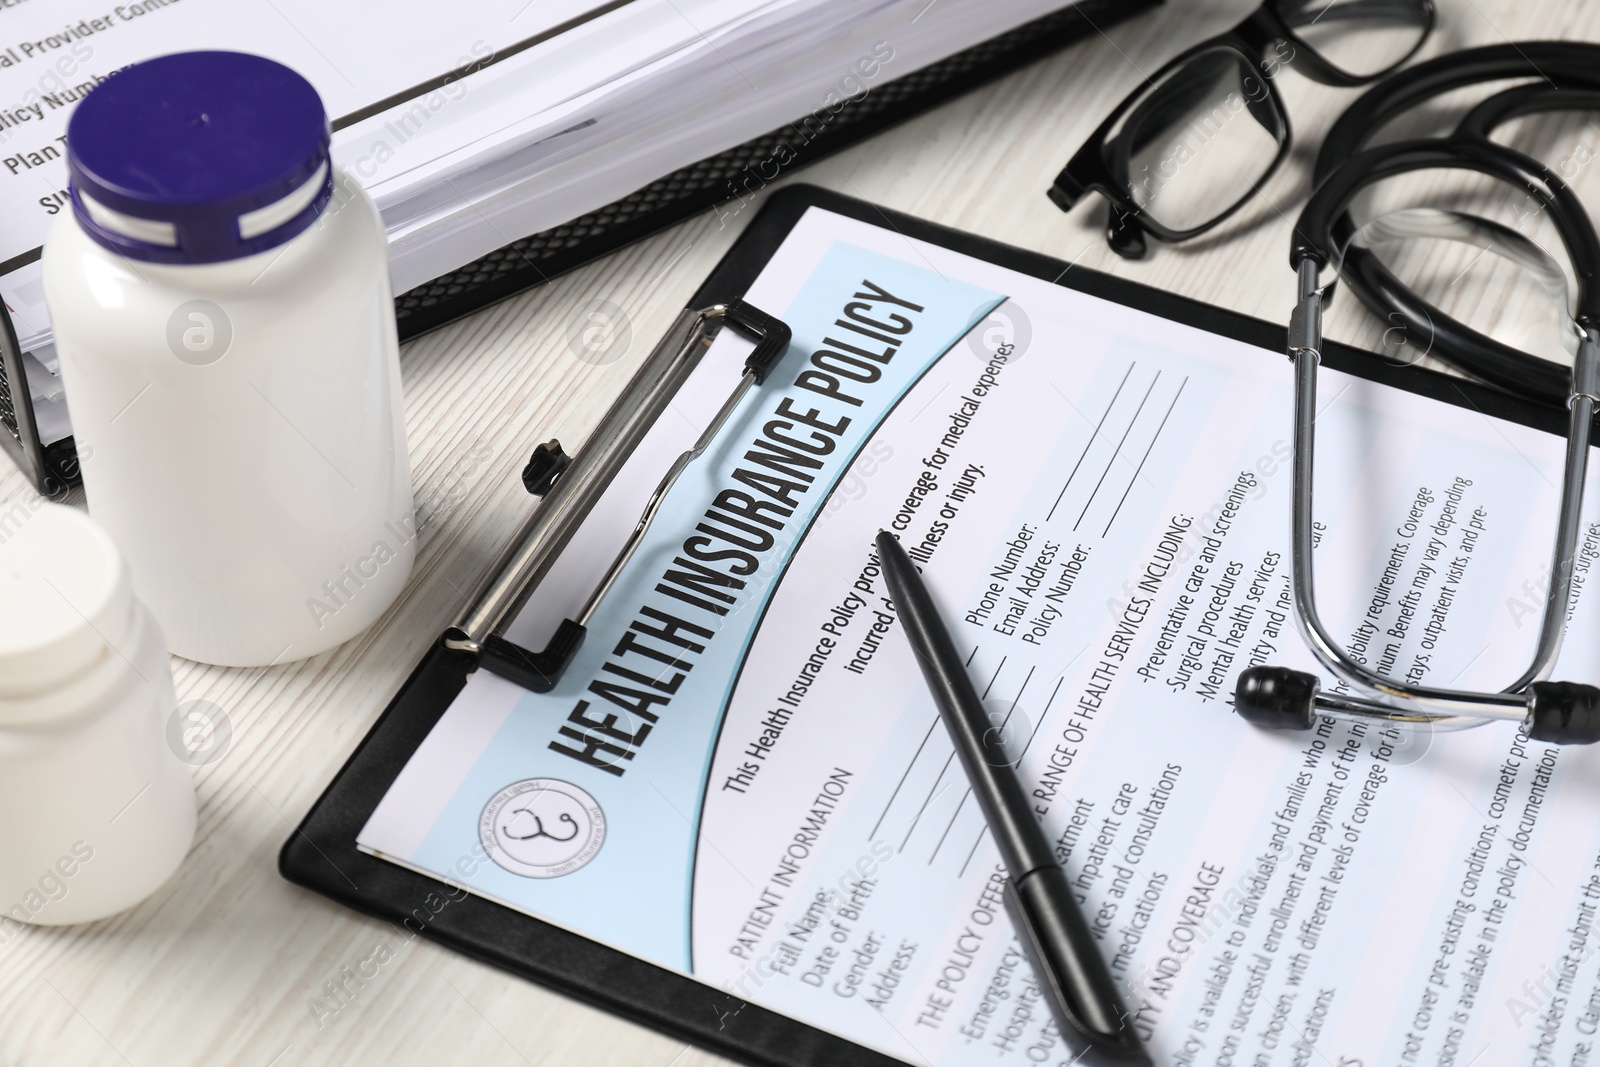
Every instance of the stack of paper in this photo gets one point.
(573, 103)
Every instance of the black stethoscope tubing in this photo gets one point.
(1568, 76)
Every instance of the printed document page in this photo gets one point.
(742, 778)
(52, 52)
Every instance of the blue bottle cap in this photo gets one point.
(199, 157)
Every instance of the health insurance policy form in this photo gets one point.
(742, 778)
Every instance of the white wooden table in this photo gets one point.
(220, 967)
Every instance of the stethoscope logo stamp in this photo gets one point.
(542, 828)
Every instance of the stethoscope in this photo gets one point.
(1324, 235)
(540, 831)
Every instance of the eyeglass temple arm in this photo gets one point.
(1551, 711)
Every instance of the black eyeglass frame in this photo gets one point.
(1089, 172)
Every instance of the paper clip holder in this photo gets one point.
(570, 486)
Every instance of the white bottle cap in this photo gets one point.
(66, 601)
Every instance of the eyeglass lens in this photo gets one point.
(1197, 142)
(1362, 38)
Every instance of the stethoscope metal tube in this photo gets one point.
(1278, 697)
(1549, 711)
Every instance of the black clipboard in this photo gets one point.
(322, 855)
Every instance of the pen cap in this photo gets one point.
(1060, 947)
(66, 602)
(199, 157)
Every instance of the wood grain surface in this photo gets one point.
(220, 966)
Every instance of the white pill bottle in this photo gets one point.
(221, 304)
(97, 807)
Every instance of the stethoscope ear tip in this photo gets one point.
(1563, 713)
(1277, 698)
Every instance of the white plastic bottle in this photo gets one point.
(222, 310)
(96, 808)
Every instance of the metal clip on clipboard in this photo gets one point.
(570, 486)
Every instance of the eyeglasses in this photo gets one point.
(1202, 136)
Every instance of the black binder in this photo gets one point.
(533, 260)
(322, 854)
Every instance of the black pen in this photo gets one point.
(1052, 929)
